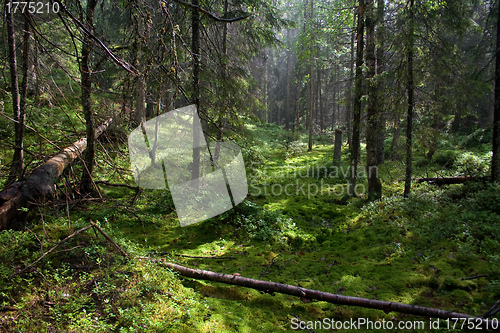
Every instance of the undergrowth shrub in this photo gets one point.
(445, 158)
(256, 222)
(470, 164)
(477, 138)
(295, 148)
(262, 224)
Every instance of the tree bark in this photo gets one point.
(409, 116)
(495, 158)
(40, 184)
(337, 150)
(195, 49)
(311, 92)
(288, 86)
(17, 166)
(358, 94)
(296, 124)
(271, 287)
(351, 80)
(380, 82)
(374, 185)
(86, 185)
(221, 122)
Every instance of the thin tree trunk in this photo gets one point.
(140, 99)
(337, 150)
(435, 121)
(311, 66)
(495, 158)
(409, 117)
(380, 81)
(288, 87)
(296, 124)
(195, 49)
(334, 97)
(265, 90)
(17, 166)
(351, 80)
(222, 116)
(358, 94)
(395, 134)
(86, 185)
(374, 185)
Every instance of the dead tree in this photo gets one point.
(40, 185)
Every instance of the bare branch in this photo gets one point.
(212, 16)
(129, 68)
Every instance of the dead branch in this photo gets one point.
(9, 308)
(53, 248)
(135, 188)
(449, 180)
(267, 269)
(474, 277)
(212, 16)
(493, 310)
(123, 253)
(270, 287)
(201, 257)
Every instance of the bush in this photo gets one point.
(259, 223)
(477, 138)
(446, 158)
(472, 165)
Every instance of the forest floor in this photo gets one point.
(415, 251)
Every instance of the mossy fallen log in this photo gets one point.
(272, 287)
(41, 182)
(450, 180)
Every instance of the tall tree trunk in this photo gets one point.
(351, 80)
(395, 134)
(195, 49)
(221, 121)
(358, 94)
(140, 99)
(334, 97)
(311, 66)
(380, 81)
(288, 86)
(265, 89)
(409, 116)
(24, 87)
(495, 158)
(435, 120)
(337, 150)
(17, 166)
(374, 185)
(86, 185)
(296, 124)
(319, 110)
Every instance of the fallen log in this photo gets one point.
(271, 287)
(450, 180)
(40, 184)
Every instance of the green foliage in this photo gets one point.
(473, 165)
(445, 158)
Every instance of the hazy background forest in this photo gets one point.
(370, 132)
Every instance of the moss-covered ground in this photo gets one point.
(297, 226)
